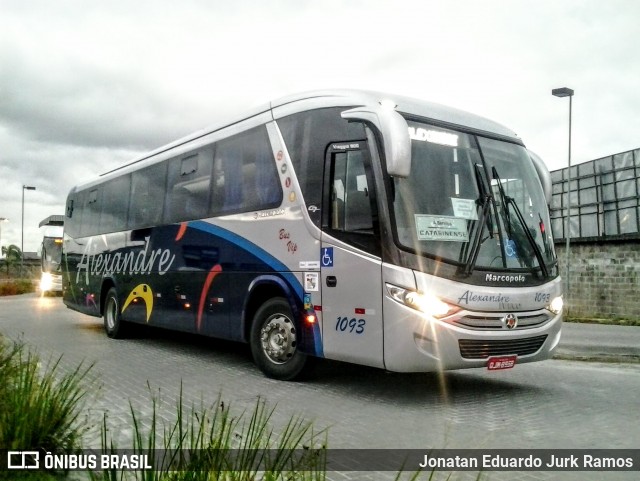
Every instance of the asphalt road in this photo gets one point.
(546, 405)
(600, 342)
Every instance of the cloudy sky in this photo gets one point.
(87, 85)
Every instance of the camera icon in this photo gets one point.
(23, 460)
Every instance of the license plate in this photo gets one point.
(502, 362)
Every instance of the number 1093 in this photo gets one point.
(353, 325)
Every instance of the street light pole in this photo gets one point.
(567, 92)
(24, 187)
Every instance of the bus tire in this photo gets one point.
(273, 341)
(114, 326)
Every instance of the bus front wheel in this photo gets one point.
(274, 341)
(114, 326)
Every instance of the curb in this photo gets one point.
(604, 358)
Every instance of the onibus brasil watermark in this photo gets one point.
(37, 460)
(334, 459)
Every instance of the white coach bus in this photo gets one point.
(349, 225)
(51, 254)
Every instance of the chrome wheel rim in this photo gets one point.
(112, 308)
(278, 339)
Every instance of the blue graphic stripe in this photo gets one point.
(253, 249)
(267, 259)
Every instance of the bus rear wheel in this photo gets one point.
(274, 341)
(114, 326)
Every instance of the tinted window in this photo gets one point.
(189, 187)
(73, 219)
(91, 212)
(245, 177)
(350, 204)
(115, 203)
(147, 192)
(307, 136)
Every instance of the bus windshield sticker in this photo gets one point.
(441, 228)
(464, 208)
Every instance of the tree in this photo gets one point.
(13, 256)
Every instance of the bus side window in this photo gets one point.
(306, 135)
(147, 187)
(351, 217)
(73, 221)
(115, 204)
(189, 185)
(350, 203)
(245, 177)
(87, 213)
(91, 220)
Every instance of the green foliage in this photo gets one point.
(17, 286)
(40, 407)
(12, 256)
(212, 444)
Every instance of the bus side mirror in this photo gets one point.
(395, 135)
(70, 208)
(543, 174)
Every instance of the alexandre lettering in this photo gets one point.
(469, 297)
(132, 262)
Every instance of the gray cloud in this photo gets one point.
(86, 86)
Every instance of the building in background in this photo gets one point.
(604, 229)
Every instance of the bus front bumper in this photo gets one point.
(415, 343)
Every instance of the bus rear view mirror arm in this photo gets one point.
(395, 131)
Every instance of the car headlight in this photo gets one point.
(556, 305)
(424, 302)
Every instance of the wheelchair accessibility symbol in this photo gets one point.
(510, 248)
(326, 259)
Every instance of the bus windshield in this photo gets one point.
(472, 201)
(51, 254)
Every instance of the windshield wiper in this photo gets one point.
(510, 201)
(485, 202)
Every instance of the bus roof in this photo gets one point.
(291, 104)
(53, 220)
(406, 105)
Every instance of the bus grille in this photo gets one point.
(483, 349)
(489, 321)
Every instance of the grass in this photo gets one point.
(13, 287)
(209, 443)
(40, 406)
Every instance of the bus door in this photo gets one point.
(350, 258)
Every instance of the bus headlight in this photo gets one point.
(46, 282)
(426, 303)
(556, 305)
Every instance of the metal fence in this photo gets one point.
(604, 196)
